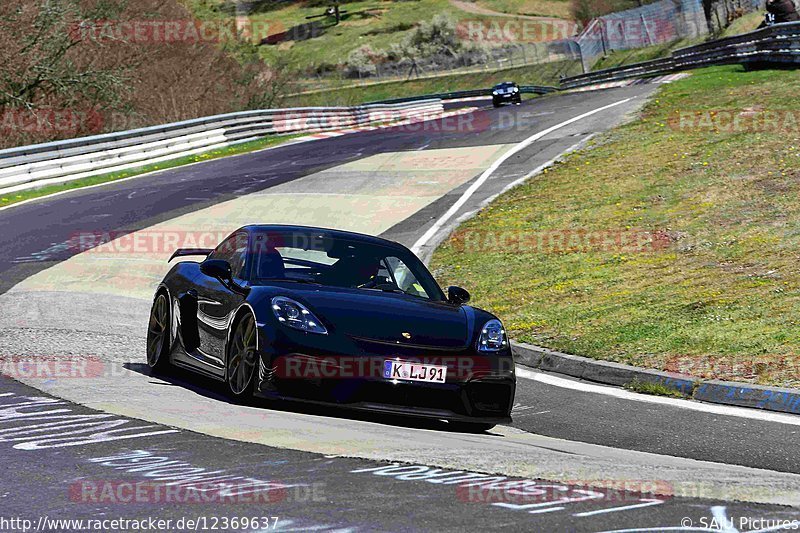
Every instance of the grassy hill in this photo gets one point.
(377, 24)
(317, 47)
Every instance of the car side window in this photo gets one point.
(403, 277)
(234, 251)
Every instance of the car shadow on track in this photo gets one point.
(216, 390)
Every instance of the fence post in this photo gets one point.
(603, 37)
(580, 56)
(646, 31)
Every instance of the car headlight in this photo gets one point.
(296, 315)
(495, 93)
(515, 89)
(493, 337)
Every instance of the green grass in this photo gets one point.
(717, 296)
(744, 24)
(539, 8)
(544, 74)
(375, 23)
(549, 8)
(251, 146)
(655, 389)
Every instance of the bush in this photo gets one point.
(361, 61)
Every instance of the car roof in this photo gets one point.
(505, 83)
(335, 233)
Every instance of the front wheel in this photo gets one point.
(242, 358)
(158, 335)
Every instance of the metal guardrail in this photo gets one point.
(775, 45)
(36, 165)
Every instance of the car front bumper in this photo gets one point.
(478, 388)
(511, 98)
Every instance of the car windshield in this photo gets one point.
(324, 259)
(505, 85)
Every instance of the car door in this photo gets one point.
(217, 300)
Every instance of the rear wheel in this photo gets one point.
(158, 335)
(242, 358)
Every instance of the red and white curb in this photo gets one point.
(469, 99)
(627, 83)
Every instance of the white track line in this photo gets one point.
(725, 410)
(433, 230)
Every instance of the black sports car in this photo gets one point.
(506, 92)
(320, 315)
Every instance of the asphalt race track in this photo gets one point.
(301, 491)
(576, 458)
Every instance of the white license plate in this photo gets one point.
(406, 370)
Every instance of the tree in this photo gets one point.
(55, 55)
(39, 55)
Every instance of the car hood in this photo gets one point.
(385, 316)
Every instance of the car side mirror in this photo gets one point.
(457, 295)
(217, 268)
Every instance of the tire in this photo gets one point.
(470, 427)
(158, 335)
(496, 105)
(242, 359)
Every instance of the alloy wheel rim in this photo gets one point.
(242, 356)
(157, 330)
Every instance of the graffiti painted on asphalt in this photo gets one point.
(177, 481)
(37, 422)
(533, 496)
